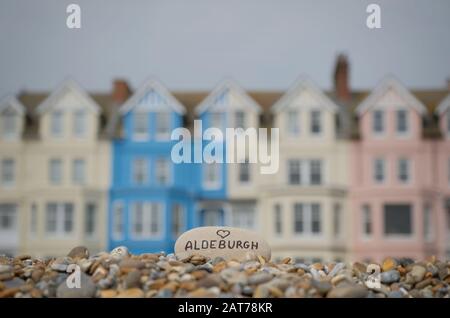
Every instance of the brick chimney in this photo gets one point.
(120, 91)
(341, 79)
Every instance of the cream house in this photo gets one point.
(12, 179)
(67, 168)
(304, 209)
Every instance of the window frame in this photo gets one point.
(8, 170)
(79, 163)
(56, 123)
(55, 165)
(381, 123)
(303, 213)
(147, 220)
(135, 173)
(79, 122)
(316, 121)
(167, 169)
(138, 135)
(375, 171)
(61, 219)
(212, 184)
(118, 214)
(406, 122)
(162, 117)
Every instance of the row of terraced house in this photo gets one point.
(362, 174)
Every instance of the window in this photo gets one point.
(307, 218)
(217, 120)
(315, 172)
(403, 170)
(293, 122)
(244, 172)
(7, 217)
(7, 173)
(243, 216)
(117, 220)
(79, 123)
(55, 171)
(278, 222)
(162, 122)
(305, 172)
(59, 218)
(378, 121)
(316, 122)
(146, 219)
(402, 121)
(9, 124)
(56, 124)
(211, 175)
(177, 220)
(162, 171)
(397, 219)
(367, 220)
(427, 222)
(140, 171)
(33, 219)
(140, 125)
(337, 220)
(78, 171)
(239, 119)
(316, 223)
(90, 219)
(212, 217)
(379, 168)
(294, 167)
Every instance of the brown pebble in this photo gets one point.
(198, 274)
(157, 284)
(389, 264)
(22, 257)
(189, 286)
(276, 292)
(286, 260)
(8, 293)
(108, 293)
(131, 293)
(6, 276)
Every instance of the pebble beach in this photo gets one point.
(123, 275)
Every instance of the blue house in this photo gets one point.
(151, 198)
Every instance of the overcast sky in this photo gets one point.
(193, 44)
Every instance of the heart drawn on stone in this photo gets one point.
(223, 233)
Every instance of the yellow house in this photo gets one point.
(66, 165)
(304, 204)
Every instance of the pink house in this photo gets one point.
(397, 178)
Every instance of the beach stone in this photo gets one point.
(16, 282)
(61, 264)
(87, 288)
(108, 293)
(349, 291)
(79, 252)
(390, 276)
(389, 264)
(259, 278)
(131, 293)
(119, 253)
(416, 274)
(5, 269)
(133, 279)
(225, 242)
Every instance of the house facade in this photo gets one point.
(395, 198)
(304, 205)
(55, 171)
(151, 199)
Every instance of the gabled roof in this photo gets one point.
(224, 86)
(11, 101)
(64, 87)
(148, 86)
(303, 83)
(444, 105)
(390, 82)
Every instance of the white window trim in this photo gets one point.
(115, 235)
(274, 210)
(75, 178)
(169, 171)
(61, 166)
(163, 136)
(406, 133)
(147, 237)
(61, 133)
(11, 136)
(305, 172)
(410, 170)
(139, 137)
(428, 234)
(378, 134)
(146, 180)
(94, 234)
(60, 222)
(289, 132)
(215, 185)
(322, 126)
(184, 219)
(76, 134)
(34, 216)
(249, 181)
(385, 170)
(307, 221)
(235, 210)
(11, 184)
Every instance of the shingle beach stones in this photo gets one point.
(226, 242)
